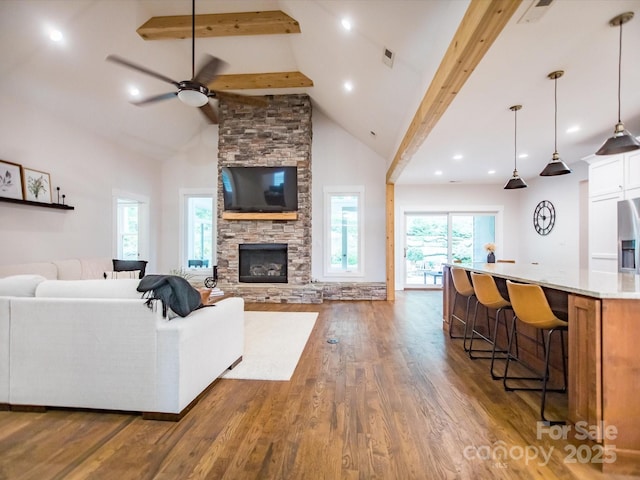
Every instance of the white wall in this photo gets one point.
(516, 237)
(469, 198)
(561, 247)
(86, 168)
(196, 166)
(338, 158)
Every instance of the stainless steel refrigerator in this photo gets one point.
(629, 235)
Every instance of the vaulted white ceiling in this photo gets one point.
(73, 81)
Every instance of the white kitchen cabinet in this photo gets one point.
(632, 174)
(606, 176)
(611, 179)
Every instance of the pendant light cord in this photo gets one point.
(555, 121)
(515, 140)
(619, 71)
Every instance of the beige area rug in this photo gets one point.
(273, 344)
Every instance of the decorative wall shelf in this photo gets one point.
(57, 206)
(260, 216)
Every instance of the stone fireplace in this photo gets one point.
(262, 263)
(276, 135)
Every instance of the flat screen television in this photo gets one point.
(260, 189)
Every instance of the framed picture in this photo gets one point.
(37, 185)
(10, 180)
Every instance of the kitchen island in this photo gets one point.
(603, 311)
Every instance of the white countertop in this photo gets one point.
(583, 282)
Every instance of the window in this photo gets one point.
(131, 220)
(434, 238)
(197, 229)
(344, 238)
(127, 229)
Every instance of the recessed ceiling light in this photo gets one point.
(491, 172)
(573, 129)
(348, 86)
(523, 155)
(55, 35)
(134, 91)
(457, 157)
(346, 24)
(438, 172)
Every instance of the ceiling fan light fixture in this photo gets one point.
(193, 98)
(515, 181)
(621, 141)
(555, 166)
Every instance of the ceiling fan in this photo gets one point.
(192, 92)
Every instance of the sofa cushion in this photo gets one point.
(69, 269)
(94, 268)
(20, 285)
(88, 289)
(47, 270)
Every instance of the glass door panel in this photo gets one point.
(432, 239)
(426, 241)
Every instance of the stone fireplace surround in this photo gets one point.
(276, 135)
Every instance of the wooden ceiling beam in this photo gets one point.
(219, 25)
(250, 81)
(480, 26)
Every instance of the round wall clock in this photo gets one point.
(544, 217)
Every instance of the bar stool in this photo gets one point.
(530, 306)
(463, 288)
(490, 297)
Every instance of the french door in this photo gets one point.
(434, 238)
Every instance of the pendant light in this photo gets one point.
(555, 166)
(515, 181)
(621, 141)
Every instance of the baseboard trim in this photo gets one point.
(28, 408)
(235, 364)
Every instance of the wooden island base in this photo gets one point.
(604, 360)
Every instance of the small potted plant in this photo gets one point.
(490, 248)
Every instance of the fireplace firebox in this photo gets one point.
(263, 262)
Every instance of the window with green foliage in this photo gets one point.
(432, 239)
(344, 231)
(198, 230)
(130, 225)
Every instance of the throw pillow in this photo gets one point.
(20, 285)
(127, 275)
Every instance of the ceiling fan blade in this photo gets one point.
(156, 98)
(244, 99)
(210, 113)
(210, 69)
(127, 63)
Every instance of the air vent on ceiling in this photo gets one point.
(535, 11)
(387, 57)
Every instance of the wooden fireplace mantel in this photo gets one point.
(260, 216)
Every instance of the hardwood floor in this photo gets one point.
(394, 399)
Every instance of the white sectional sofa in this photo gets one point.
(70, 269)
(96, 344)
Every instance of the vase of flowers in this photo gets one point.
(491, 256)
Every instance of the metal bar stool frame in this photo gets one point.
(463, 288)
(549, 324)
(489, 296)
